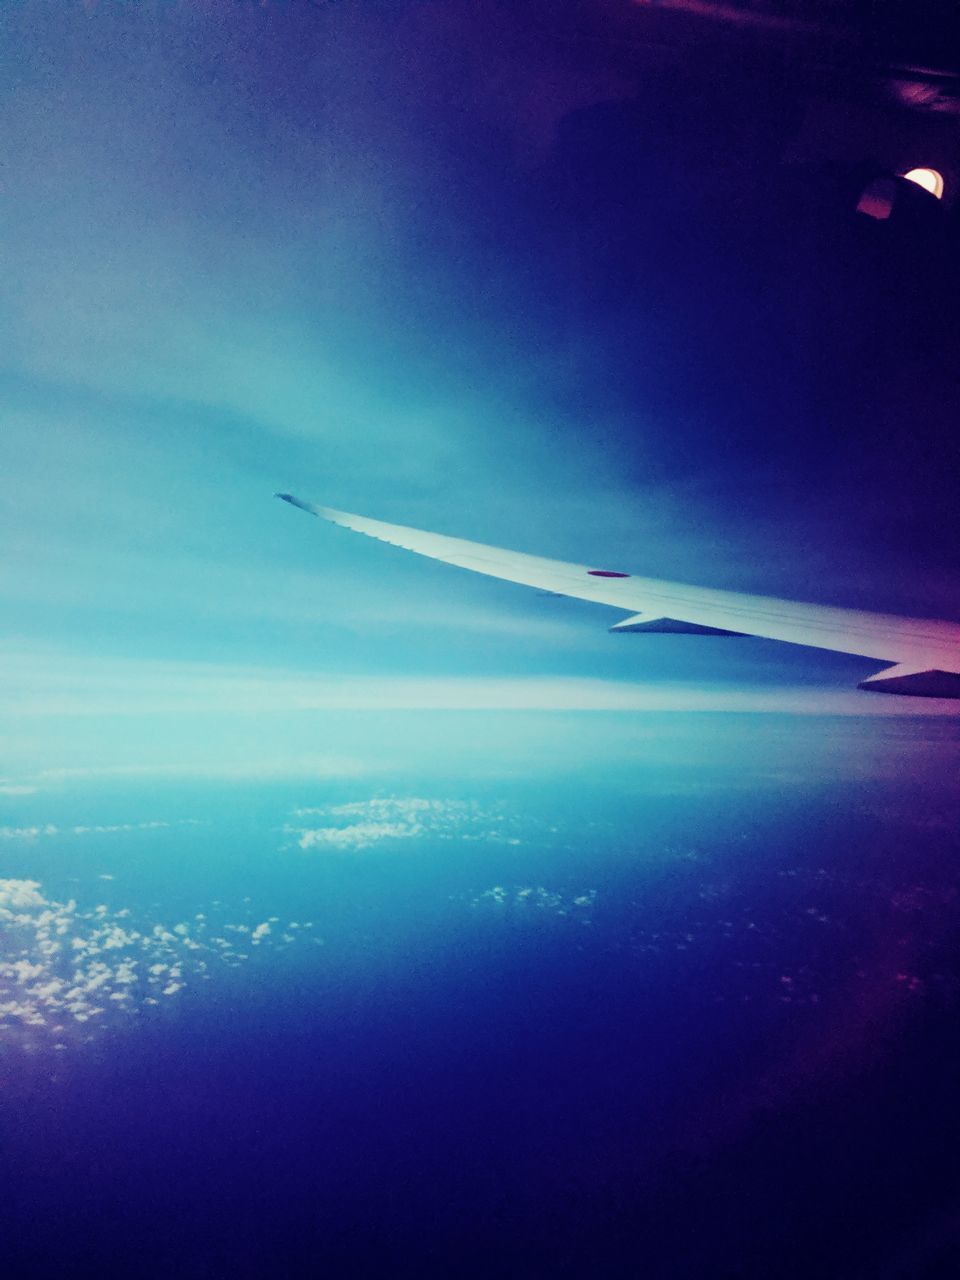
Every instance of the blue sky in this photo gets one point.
(252, 250)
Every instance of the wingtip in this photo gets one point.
(294, 501)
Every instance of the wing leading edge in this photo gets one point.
(924, 654)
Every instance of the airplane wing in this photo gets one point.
(923, 655)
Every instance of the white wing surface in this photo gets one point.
(924, 654)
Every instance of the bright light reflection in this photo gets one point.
(929, 179)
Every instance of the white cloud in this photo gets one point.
(114, 828)
(120, 826)
(533, 900)
(361, 835)
(364, 823)
(103, 970)
(49, 683)
(305, 765)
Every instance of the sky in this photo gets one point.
(456, 270)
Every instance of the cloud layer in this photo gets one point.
(58, 684)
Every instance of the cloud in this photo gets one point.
(365, 823)
(531, 900)
(50, 829)
(110, 828)
(16, 895)
(303, 766)
(61, 684)
(67, 971)
(361, 835)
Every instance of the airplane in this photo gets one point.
(924, 654)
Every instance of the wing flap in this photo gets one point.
(670, 627)
(920, 684)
